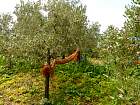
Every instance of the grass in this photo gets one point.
(20, 89)
(76, 84)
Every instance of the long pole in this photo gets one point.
(47, 78)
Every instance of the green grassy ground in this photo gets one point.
(76, 84)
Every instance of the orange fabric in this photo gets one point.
(71, 57)
(49, 69)
(46, 70)
(136, 62)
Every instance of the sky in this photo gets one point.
(106, 12)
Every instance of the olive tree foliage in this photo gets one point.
(94, 34)
(67, 26)
(109, 44)
(30, 36)
(136, 2)
(114, 49)
(6, 21)
(62, 30)
(6, 33)
(117, 46)
(132, 26)
(132, 23)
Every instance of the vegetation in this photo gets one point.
(111, 78)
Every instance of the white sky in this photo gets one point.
(106, 12)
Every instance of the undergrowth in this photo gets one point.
(76, 84)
